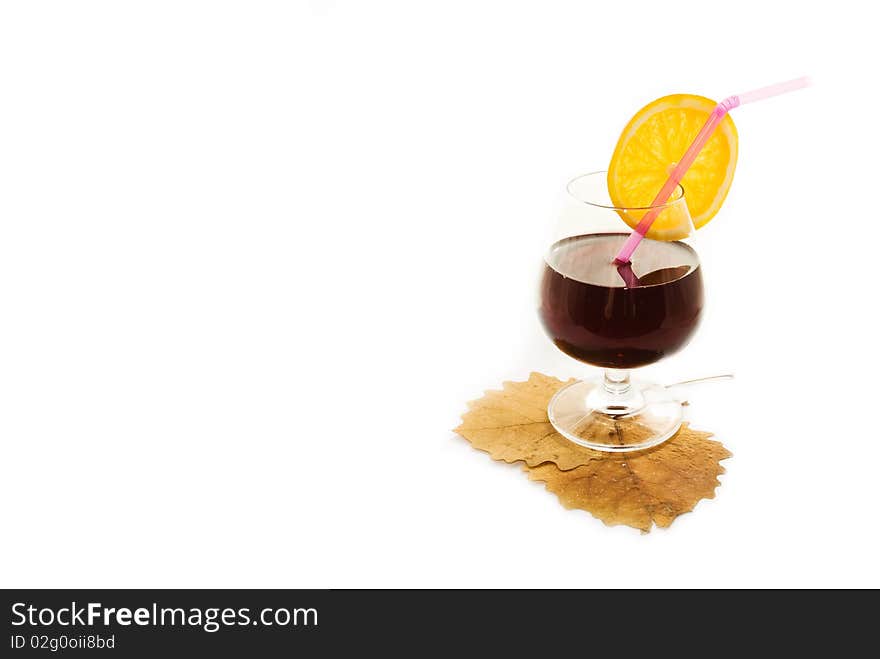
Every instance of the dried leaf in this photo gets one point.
(638, 489)
(512, 425)
(645, 488)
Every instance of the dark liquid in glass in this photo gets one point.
(592, 315)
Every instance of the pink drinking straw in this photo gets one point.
(725, 106)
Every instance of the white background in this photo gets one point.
(255, 257)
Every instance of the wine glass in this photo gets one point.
(618, 317)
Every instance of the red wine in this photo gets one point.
(591, 313)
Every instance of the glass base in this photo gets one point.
(615, 416)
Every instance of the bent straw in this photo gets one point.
(725, 106)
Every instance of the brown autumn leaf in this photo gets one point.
(637, 489)
(512, 425)
(644, 488)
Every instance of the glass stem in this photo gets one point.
(617, 382)
(617, 395)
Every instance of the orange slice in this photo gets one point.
(650, 145)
